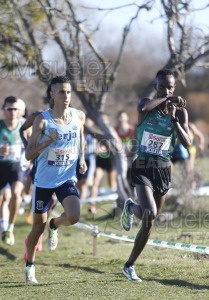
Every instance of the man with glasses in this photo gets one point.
(11, 148)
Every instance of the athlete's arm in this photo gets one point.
(146, 104)
(34, 148)
(82, 163)
(26, 127)
(179, 117)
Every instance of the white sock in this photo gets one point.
(3, 225)
(10, 227)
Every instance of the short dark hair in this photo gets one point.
(164, 72)
(9, 99)
(54, 81)
(60, 79)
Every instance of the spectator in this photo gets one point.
(11, 148)
(105, 162)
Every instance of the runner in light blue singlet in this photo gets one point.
(57, 163)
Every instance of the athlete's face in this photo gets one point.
(61, 94)
(165, 86)
(123, 117)
(11, 111)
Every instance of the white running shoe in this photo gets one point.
(130, 273)
(30, 274)
(52, 240)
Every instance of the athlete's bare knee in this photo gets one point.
(38, 228)
(70, 220)
(150, 214)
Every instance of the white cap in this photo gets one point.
(20, 104)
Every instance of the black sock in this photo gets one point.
(29, 264)
(127, 265)
(129, 208)
(51, 224)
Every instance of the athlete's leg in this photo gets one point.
(159, 200)
(149, 212)
(39, 223)
(71, 214)
(6, 196)
(112, 179)
(97, 179)
(16, 190)
(52, 205)
(4, 210)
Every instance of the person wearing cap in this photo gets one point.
(22, 107)
(11, 147)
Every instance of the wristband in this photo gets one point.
(175, 120)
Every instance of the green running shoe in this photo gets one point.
(8, 237)
(126, 219)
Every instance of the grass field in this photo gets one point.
(72, 272)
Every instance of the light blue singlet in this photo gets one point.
(57, 163)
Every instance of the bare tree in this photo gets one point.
(187, 45)
(28, 27)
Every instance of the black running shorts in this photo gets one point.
(10, 172)
(155, 174)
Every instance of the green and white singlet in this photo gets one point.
(156, 137)
(11, 138)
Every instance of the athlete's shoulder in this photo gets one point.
(141, 103)
(181, 111)
(81, 115)
(39, 120)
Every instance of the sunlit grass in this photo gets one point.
(72, 272)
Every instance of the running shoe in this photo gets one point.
(30, 274)
(92, 209)
(3, 236)
(39, 247)
(8, 237)
(52, 240)
(25, 257)
(126, 219)
(130, 273)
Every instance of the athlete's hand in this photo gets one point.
(177, 100)
(83, 167)
(171, 109)
(4, 150)
(52, 135)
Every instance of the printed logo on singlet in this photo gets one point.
(152, 122)
(67, 136)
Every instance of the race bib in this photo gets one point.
(155, 144)
(61, 157)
